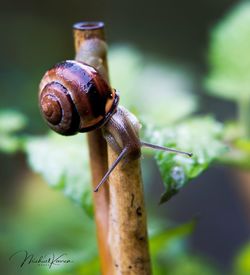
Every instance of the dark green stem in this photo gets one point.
(244, 117)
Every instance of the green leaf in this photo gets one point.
(149, 87)
(229, 55)
(11, 122)
(170, 254)
(10, 144)
(201, 136)
(193, 265)
(159, 240)
(242, 261)
(239, 154)
(63, 162)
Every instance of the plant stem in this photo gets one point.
(127, 224)
(83, 33)
(119, 207)
(244, 117)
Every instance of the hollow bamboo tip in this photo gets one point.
(91, 46)
(87, 30)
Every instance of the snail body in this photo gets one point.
(74, 97)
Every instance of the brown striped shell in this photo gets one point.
(73, 97)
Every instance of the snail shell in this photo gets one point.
(73, 97)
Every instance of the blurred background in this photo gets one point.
(176, 35)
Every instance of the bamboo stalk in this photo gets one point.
(119, 207)
(84, 34)
(127, 224)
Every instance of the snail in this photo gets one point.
(74, 97)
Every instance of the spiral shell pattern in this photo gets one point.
(73, 98)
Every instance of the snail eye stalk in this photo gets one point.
(163, 148)
(123, 154)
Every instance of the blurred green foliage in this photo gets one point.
(156, 91)
(242, 261)
(239, 153)
(45, 222)
(11, 122)
(229, 55)
(66, 168)
(229, 78)
(169, 254)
